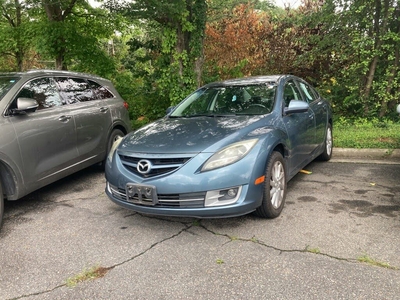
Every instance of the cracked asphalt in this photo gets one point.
(338, 238)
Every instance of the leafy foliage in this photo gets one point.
(365, 45)
(158, 51)
(16, 36)
(168, 52)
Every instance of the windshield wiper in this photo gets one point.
(209, 115)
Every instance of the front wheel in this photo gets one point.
(274, 188)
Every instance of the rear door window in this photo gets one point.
(75, 90)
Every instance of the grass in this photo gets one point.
(366, 134)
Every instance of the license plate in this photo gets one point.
(141, 194)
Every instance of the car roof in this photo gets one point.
(248, 80)
(45, 72)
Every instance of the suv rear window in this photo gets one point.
(100, 91)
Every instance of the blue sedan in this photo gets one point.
(226, 150)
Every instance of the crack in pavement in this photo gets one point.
(197, 223)
(305, 250)
(43, 203)
(187, 227)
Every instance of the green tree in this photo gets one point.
(73, 34)
(176, 44)
(15, 35)
(365, 37)
(165, 60)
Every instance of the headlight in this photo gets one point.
(229, 155)
(113, 148)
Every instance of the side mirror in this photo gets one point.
(296, 106)
(25, 105)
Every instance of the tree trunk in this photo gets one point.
(395, 68)
(57, 11)
(198, 69)
(20, 53)
(180, 47)
(19, 57)
(378, 31)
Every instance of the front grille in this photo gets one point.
(185, 200)
(192, 200)
(117, 193)
(159, 166)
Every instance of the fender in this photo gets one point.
(11, 178)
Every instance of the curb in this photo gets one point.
(367, 155)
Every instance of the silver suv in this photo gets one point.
(54, 123)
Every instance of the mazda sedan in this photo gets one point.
(54, 123)
(226, 150)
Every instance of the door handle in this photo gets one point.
(103, 109)
(64, 119)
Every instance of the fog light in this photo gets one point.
(222, 197)
(232, 192)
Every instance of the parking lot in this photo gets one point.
(338, 238)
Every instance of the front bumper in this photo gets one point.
(247, 202)
(185, 191)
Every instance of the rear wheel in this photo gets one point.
(328, 145)
(274, 188)
(1, 204)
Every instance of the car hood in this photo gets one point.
(188, 135)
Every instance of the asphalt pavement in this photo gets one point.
(338, 238)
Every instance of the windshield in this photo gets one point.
(5, 85)
(257, 99)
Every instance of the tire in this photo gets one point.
(1, 204)
(328, 145)
(275, 187)
(115, 134)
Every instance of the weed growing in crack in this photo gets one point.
(313, 250)
(368, 260)
(87, 274)
(254, 239)
(196, 223)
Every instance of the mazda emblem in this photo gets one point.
(144, 166)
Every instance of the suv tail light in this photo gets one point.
(126, 105)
